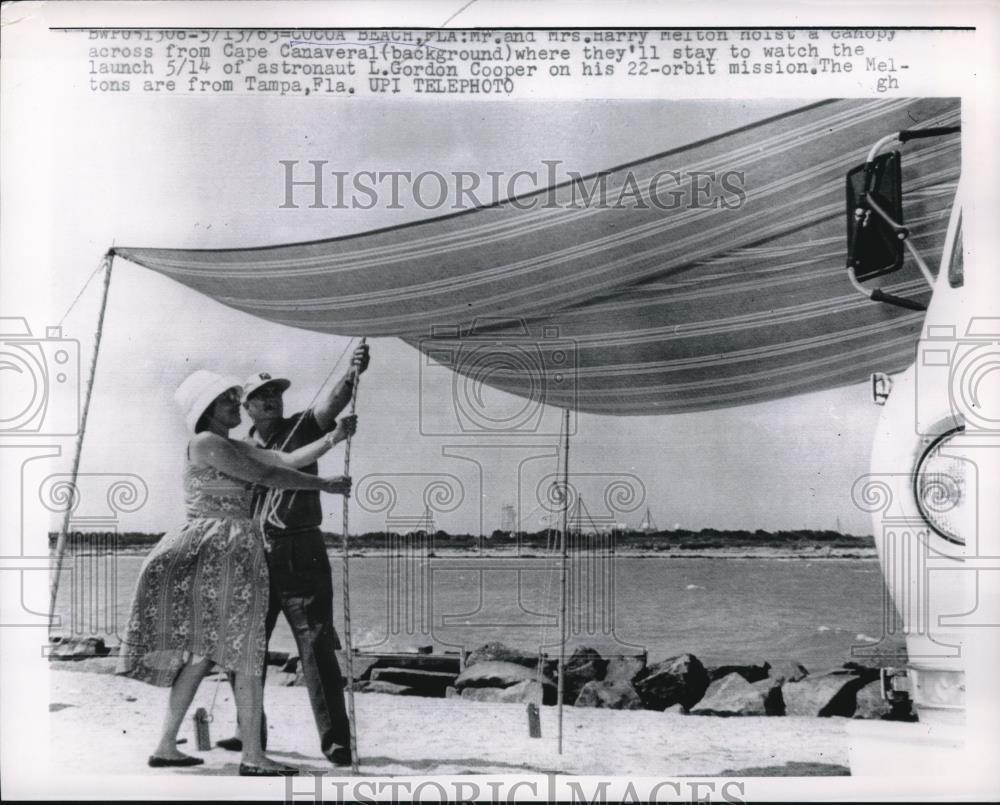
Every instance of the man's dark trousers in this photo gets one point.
(302, 588)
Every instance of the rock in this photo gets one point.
(429, 683)
(774, 704)
(677, 680)
(751, 673)
(609, 694)
(522, 693)
(362, 666)
(291, 665)
(677, 710)
(417, 660)
(625, 668)
(585, 665)
(451, 692)
(400, 648)
(78, 648)
(731, 696)
(295, 680)
(867, 673)
(494, 674)
(497, 651)
(376, 686)
(787, 671)
(869, 702)
(829, 694)
(734, 696)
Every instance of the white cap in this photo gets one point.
(261, 379)
(199, 390)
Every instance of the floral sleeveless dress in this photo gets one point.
(203, 590)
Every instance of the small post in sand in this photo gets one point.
(562, 581)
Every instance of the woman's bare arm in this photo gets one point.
(249, 465)
(307, 454)
(295, 459)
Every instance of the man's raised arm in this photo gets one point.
(327, 410)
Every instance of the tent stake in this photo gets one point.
(61, 543)
(562, 581)
(348, 647)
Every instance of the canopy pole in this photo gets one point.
(563, 625)
(109, 258)
(348, 648)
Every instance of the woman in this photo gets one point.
(202, 594)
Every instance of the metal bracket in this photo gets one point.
(901, 232)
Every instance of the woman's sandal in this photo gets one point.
(161, 762)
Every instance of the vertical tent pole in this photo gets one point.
(61, 543)
(348, 648)
(562, 592)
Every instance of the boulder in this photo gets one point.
(677, 710)
(497, 651)
(869, 702)
(750, 672)
(451, 692)
(361, 664)
(585, 665)
(416, 659)
(625, 667)
(731, 696)
(677, 680)
(787, 671)
(295, 680)
(377, 686)
(494, 674)
(774, 704)
(429, 683)
(610, 695)
(521, 693)
(865, 672)
(830, 694)
(78, 648)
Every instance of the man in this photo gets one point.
(300, 578)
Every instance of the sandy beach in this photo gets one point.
(107, 725)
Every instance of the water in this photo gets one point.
(722, 610)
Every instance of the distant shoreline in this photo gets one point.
(811, 554)
(678, 544)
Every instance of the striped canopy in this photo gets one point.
(635, 305)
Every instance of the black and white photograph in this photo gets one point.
(496, 401)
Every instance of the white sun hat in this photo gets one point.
(199, 389)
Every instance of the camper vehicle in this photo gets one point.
(933, 473)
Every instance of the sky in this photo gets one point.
(189, 172)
